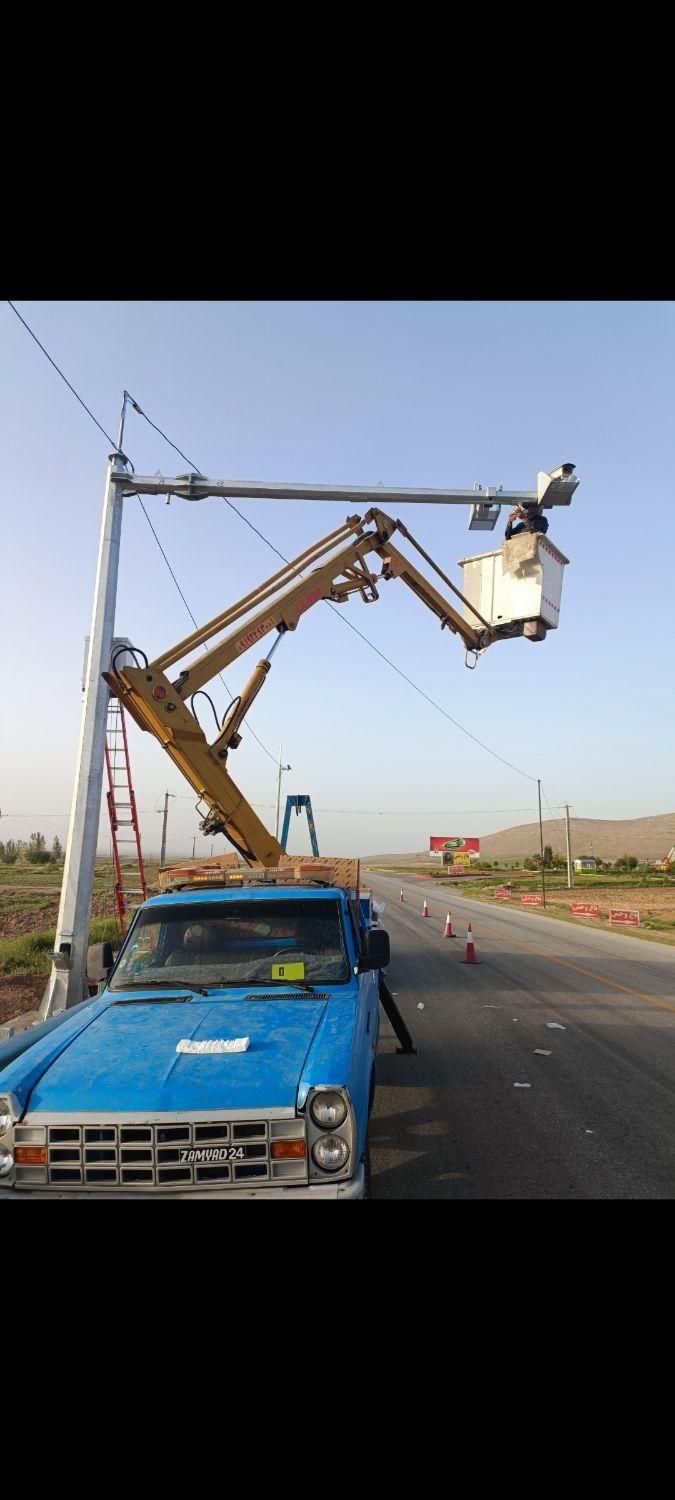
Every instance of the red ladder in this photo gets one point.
(122, 814)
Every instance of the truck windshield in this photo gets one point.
(235, 942)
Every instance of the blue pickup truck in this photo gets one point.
(229, 1053)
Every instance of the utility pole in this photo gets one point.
(193, 845)
(570, 872)
(67, 983)
(541, 845)
(166, 814)
(281, 768)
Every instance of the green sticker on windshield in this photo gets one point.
(288, 971)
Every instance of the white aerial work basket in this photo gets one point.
(520, 585)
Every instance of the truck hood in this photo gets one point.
(126, 1060)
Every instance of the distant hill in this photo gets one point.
(606, 838)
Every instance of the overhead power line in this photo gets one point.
(553, 816)
(5, 815)
(112, 442)
(347, 812)
(425, 812)
(430, 700)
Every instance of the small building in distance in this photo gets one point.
(585, 862)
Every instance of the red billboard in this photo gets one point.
(453, 845)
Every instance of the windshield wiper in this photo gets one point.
(244, 984)
(166, 984)
(154, 1000)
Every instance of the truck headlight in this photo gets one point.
(331, 1153)
(6, 1161)
(328, 1110)
(6, 1115)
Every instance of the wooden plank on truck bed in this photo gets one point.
(196, 870)
(337, 871)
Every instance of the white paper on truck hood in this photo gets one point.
(238, 1044)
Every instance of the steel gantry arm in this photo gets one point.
(161, 703)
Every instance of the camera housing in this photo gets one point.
(556, 487)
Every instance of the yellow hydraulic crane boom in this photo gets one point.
(159, 703)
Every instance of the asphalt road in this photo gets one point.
(598, 1120)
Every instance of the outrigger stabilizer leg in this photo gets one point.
(394, 1016)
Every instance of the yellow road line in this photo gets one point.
(565, 964)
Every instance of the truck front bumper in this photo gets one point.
(353, 1187)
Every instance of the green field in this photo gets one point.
(49, 877)
(29, 954)
(34, 889)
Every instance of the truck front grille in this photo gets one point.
(178, 1154)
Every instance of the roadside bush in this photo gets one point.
(37, 852)
(624, 863)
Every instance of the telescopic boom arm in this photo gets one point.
(339, 567)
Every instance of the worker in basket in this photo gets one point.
(530, 519)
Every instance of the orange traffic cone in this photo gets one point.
(448, 927)
(425, 909)
(402, 896)
(470, 955)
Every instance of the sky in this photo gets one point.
(407, 393)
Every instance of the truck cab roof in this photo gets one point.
(263, 892)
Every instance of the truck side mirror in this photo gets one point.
(99, 962)
(375, 952)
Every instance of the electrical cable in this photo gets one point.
(432, 701)
(159, 544)
(433, 812)
(553, 816)
(201, 474)
(141, 413)
(356, 812)
(112, 442)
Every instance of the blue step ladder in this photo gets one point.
(298, 802)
